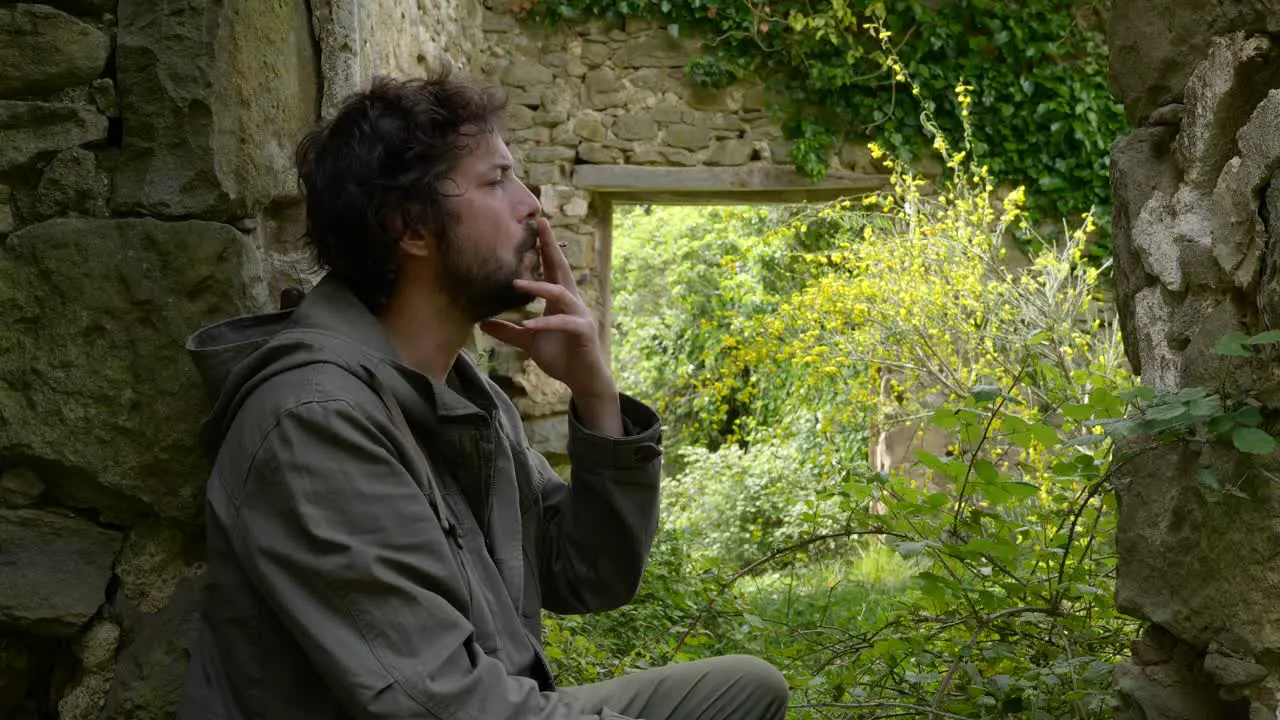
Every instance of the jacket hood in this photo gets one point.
(235, 356)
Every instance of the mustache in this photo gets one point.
(530, 237)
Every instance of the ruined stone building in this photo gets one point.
(146, 189)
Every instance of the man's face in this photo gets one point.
(491, 237)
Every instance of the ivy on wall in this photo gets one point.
(1042, 114)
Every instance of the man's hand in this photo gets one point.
(565, 341)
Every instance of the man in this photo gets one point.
(382, 538)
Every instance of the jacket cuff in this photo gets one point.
(641, 444)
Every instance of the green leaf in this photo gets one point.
(945, 418)
(1253, 440)
(1264, 338)
(986, 471)
(1233, 344)
(1165, 412)
(1078, 413)
(1248, 415)
(1044, 434)
(1021, 490)
(983, 394)
(937, 499)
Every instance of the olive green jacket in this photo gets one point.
(381, 545)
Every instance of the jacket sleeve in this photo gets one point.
(598, 529)
(339, 538)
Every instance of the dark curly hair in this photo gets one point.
(373, 172)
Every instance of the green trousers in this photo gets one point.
(733, 687)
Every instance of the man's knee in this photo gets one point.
(761, 679)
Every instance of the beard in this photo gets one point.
(482, 286)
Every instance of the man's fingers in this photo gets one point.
(554, 262)
(566, 323)
(507, 333)
(553, 292)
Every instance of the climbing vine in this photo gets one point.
(1042, 116)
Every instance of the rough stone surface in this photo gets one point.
(106, 305)
(1238, 232)
(151, 565)
(31, 129)
(43, 50)
(1141, 165)
(1196, 259)
(1152, 61)
(7, 224)
(56, 569)
(1233, 672)
(72, 185)
(1174, 240)
(96, 651)
(215, 97)
(1220, 95)
(154, 651)
(19, 487)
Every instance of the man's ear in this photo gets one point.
(417, 243)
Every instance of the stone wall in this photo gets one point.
(1197, 197)
(146, 188)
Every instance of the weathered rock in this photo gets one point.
(541, 394)
(731, 152)
(527, 74)
(151, 564)
(1172, 540)
(654, 79)
(688, 137)
(1170, 114)
(1153, 341)
(1151, 62)
(595, 54)
(215, 96)
(635, 127)
(658, 50)
(1233, 672)
(43, 51)
(31, 129)
(549, 155)
(596, 153)
(1167, 692)
(543, 174)
(97, 312)
(6, 210)
(56, 570)
(548, 435)
(1269, 287)
(590, 129)
(85, 8)
(19, 487)
(668, 114)
(1238, 231)
(96, 651)
(1174, 238)
(72, 184)
(1221, 94)
(154, 652)
(105, 99)
(1140, 165)
(519, 117)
